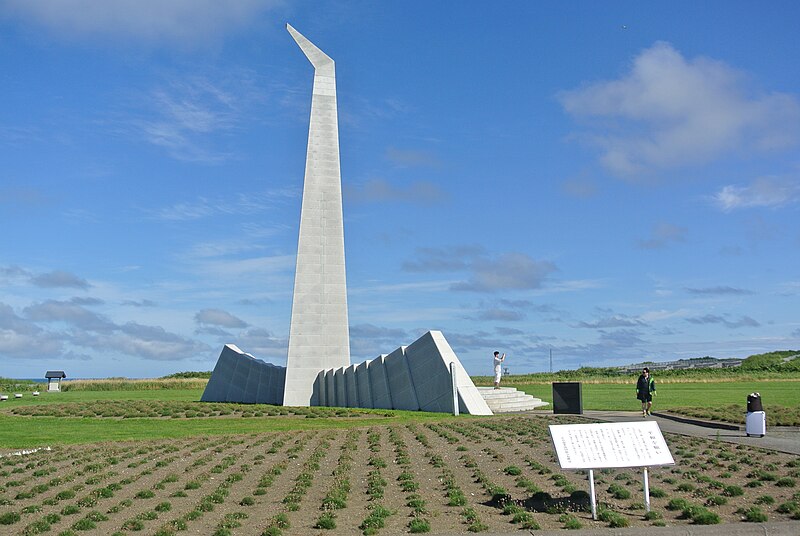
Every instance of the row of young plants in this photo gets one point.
(503, 471)
(339, 490)
(141, 516)
(453, 492)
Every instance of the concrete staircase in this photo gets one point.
(509, 399)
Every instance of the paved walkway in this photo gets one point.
(784, 528)
(782, 440)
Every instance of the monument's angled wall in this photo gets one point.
(416, 377)
(362, 383)
(240, 377)
(379, 383)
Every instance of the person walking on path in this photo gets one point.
(498, 368)
(645, 391)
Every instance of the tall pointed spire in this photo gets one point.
(319, 336)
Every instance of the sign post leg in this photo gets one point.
(646, 482)
(592, 495)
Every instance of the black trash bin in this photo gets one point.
(567, 398)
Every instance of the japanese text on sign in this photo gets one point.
(600, 445)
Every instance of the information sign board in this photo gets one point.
(608, 445)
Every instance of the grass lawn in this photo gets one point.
(604, 396)
(18, 432)
(26, 432)
(87, 396)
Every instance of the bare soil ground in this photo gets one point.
(496, 474)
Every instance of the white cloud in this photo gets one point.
(671, 111)
(412, 158)
(743, 321)
(187, 21)
(185, 115)
(770, 192)
(218, 317)
(512, 271)
(242, 204)
(87, 329)
(59, 279)
(381, 190)
(21, 338)
(663, 234)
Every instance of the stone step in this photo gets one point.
(509, 399)
(491, 392)
(519, 406)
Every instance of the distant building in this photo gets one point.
(54, 378)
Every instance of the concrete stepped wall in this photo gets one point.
(240, 377)
(416, 377)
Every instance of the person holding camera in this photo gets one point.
(498, 368)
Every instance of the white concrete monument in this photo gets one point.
(319, 336)
(318, 370)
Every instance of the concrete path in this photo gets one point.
(783, 440)
(784, 528)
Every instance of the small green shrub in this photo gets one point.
(618, 492)
(703, 516)
(752, 514)
(677, 504)
(133, 525)
(512, 470)
(84, 524)
(326, 521)
(9, 518)
(570, 522)
(733, 491)
(419, 525)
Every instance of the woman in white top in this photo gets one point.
(498, 368)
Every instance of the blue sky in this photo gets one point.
(612, 181)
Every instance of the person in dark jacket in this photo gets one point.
(645, 391)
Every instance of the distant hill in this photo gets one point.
(781, 360)
(775, 361)
(186, 375)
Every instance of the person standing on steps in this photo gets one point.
(645, 391)
(498, 368)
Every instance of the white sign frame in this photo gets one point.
(611, 445)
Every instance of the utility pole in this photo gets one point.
(551, 360)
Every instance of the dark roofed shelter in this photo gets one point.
(54, 378)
